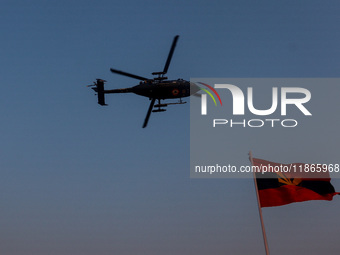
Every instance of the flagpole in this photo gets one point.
(259, 207)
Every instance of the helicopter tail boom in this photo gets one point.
(112, 91)
(99, 88)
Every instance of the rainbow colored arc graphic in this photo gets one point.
(209, 93)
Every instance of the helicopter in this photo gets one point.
(158, 88)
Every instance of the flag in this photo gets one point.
(281, 184)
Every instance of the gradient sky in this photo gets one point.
(77, 178)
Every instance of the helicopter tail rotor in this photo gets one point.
(98, 86)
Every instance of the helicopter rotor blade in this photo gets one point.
(128, 74)
(149, 113)
(171, 52)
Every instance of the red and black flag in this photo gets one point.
(282, 184)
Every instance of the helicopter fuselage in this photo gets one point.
(165, 89)
(158, 88)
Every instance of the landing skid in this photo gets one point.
(159, 110)
(181, 102)
(159, 105)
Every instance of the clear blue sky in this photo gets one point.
(77, 178)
